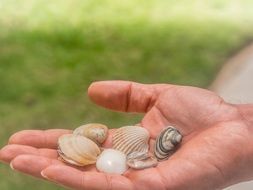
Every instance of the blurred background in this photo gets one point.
(50, 51)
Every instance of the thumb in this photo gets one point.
(125, 95)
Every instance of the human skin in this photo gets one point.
(216, 150)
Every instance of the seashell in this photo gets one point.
(78, 150)
(131, 139)
(94, 131)
(112, 161)
(141, 160)
(166, 142)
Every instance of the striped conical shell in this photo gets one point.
(130, 139)
(166, 142)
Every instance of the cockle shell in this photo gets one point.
(131, 139)
(112, 161)
(141, 160)
(94, 131)
(166, 142)
(78, 150)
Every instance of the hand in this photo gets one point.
(216, 150)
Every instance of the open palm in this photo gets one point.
(212, 155)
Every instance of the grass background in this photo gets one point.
(50, 51)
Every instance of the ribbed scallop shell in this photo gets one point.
(130, 139)
(78, 150)
(94, 131)
(166, 142)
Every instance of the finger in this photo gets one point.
(125, 95)
(73, 178)
(32, 165)
(108, 141)
(9, 152)
(38, 138)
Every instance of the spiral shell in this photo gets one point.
(94, 131)
(141, 160)
(77, 150)
(131, 139)
(166, 143)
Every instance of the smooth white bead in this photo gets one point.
(112, 161)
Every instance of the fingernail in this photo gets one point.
(43, 175)
(11, 166)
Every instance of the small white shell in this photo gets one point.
(167, 142)
(77, 150)
(140, 160)
(94, 131)
(131, 139)
(112, 161)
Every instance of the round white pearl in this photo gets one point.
(112, 161)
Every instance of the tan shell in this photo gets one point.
(140, 160)
(94, 131)
(130, 139)
(78, 150)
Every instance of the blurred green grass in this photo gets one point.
(50, 51)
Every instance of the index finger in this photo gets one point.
(38, 138)
(47, 138)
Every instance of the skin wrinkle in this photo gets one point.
(241, 157)
(157, 126)
(169, 123)
(209, 188)
(235, 134)
(244, 152)
(174, 94)
(45, 138)
(162, 178)
(179, 91)
(108, 178)
(161, 113)
(128, 97)
(150, 103)
(195, 165)
(83, 182)
(244, 119)
(220, 172)
(226, 119)
(169, 185)
(156, 92)
(208, 116)
(141, 183)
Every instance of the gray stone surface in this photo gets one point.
(235, 84)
